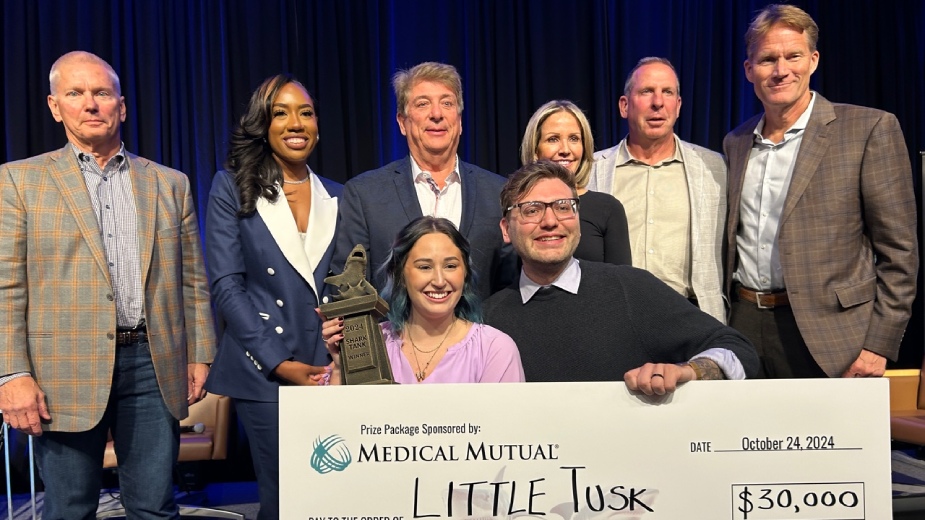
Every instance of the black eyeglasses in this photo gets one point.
(532, 211)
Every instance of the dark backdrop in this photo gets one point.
(188, 67)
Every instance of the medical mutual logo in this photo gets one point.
(330, 454)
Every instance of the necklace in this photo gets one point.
(419, 375)
(303, 181)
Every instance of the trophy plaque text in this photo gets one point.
(363, 358)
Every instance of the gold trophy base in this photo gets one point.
(363, 358)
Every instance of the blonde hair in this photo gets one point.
(532, 136)
(405, 79)
(780, 14)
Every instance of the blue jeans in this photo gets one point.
(147, 440)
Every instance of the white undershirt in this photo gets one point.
(764, 191)
(435, 202)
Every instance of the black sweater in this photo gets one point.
(621, 318)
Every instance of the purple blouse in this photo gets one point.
(485, 355)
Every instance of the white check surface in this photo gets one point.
(740, 450)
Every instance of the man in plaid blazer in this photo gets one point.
(105, 321)
(821, 257)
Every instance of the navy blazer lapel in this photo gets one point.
(277, 216)
(812, 149)
(68, 177)
(470, 193)
(404, 187)
(322, 223)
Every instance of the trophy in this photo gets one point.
(363, 358)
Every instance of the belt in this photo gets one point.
(764, 300)
(131, 336)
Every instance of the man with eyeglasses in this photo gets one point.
(589, 321)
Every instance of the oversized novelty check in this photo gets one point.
(739, 450)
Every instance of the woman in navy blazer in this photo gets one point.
(270, 231)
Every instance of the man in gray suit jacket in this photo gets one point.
(821, 239)
(376, 205)
(674, 192)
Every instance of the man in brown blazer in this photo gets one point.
(821, 256)
(105, 321)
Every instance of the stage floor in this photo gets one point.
(241, 497)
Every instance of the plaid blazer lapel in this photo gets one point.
(739, 157)
(813, 148)
(144, 186)
(68, 178)
(737, 146)
(738, 151)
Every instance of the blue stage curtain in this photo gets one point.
(188, 67)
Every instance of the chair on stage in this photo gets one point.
(907, 405)
(214, 414)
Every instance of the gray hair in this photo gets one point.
(628, 86)
(404, 80)
(80, 57)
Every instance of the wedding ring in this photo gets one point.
(658, 375)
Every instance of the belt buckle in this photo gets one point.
(758, 295)
(127, 337)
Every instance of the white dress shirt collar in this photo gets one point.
(437, 202)
(798, 126)
(568, 281)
